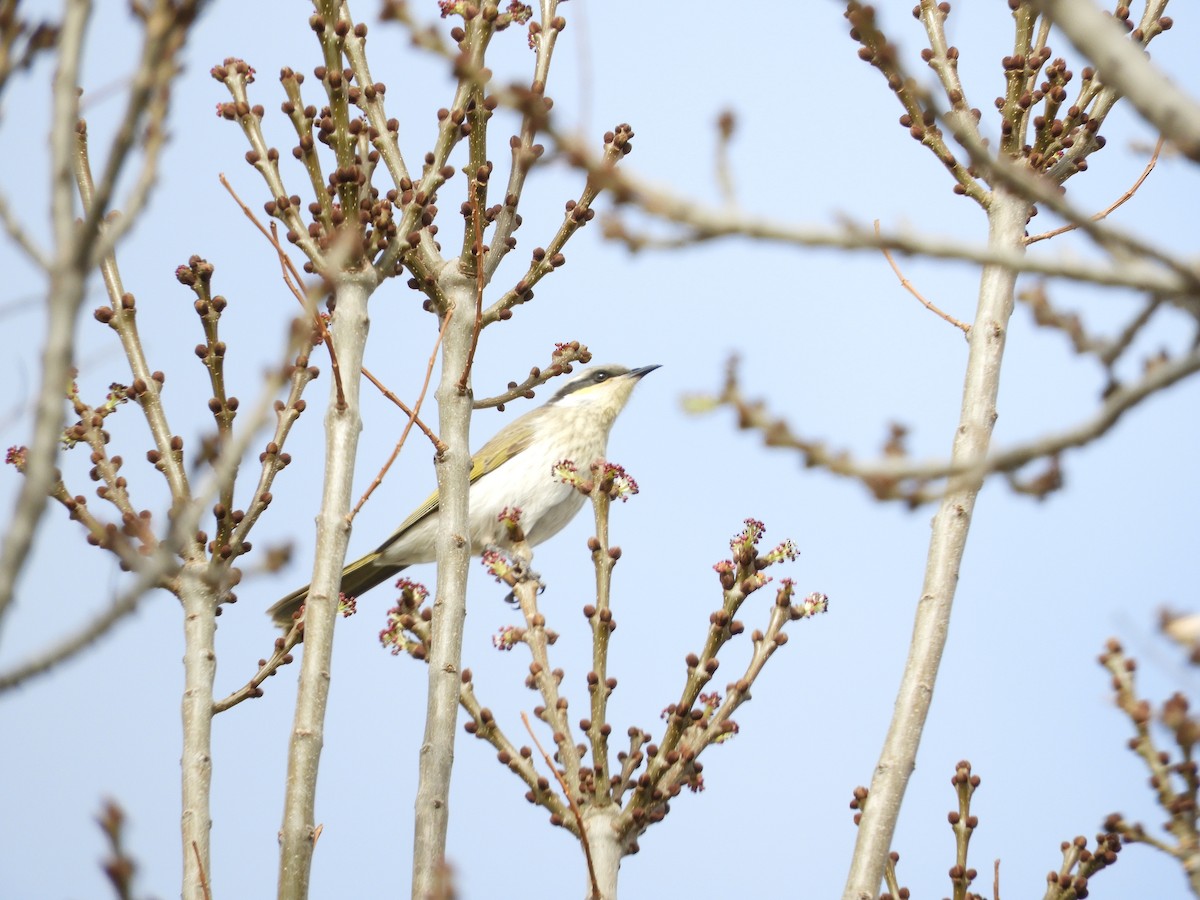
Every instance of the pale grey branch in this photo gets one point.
(63, 301)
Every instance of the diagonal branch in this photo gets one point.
(63, 302)
(886, 477)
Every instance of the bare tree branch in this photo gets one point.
(21, 237)
(887, 477)
(165, 560)
(897, 759)
(62, 308)
(342, 427)
(1125, 66)
(703, 223)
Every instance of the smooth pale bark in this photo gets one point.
(1006, 228)
(606, 851)
(432, 807)
(342, 428)
(200, 668)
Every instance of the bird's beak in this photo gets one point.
(644, 370)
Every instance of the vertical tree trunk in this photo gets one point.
(342, 428)
(1006, 228)
(200, 669)
(450, 604)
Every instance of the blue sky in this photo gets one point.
(831, 339)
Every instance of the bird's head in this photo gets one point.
(602, 390)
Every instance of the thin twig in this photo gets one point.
(908, 286)
(404, 408)
(22, 238)
(437, 442)
(289, 267)
(166, 30)
(726, 125)
(200, 867)
(587, 850)
(1120, 201)
(281, 656)
(560, 364)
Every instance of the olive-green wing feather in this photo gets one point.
(365, 573)
(357, 578)
(499, 450)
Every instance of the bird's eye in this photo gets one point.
(599, 376)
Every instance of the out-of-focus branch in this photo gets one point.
(166, 24)
(1123, 246)
(726, 126)
(22, 41)
(1174, 781)
(63, 301)
(894, 478)
(22, 238)
(77, 247)
(120, 867)
(164, 561)
(703, 223)
(93, 629)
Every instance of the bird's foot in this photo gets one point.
(526, 575)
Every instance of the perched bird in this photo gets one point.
(513, 469)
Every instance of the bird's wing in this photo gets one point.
(490, 457)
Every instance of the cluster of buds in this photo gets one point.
(508, 637)
(16, 457)
(748, 563)
(407, 629)
(515, 12)
(610, 479)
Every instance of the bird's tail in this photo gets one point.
(357, 578)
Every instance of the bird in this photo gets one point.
(513, 469)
